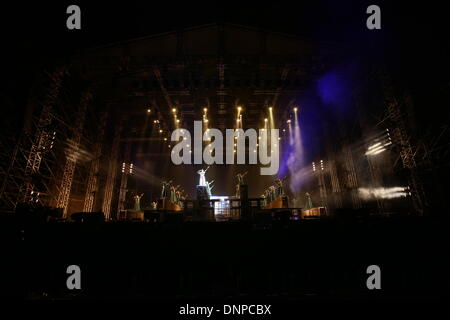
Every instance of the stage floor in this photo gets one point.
(306, 259)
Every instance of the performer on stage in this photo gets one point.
(173, 193)
(137, 202)
(240, 177)
(263, 201)
(308, 204)
(238, 191)
(280, 189)
(165, 188)
(209, 187)
(202, 181)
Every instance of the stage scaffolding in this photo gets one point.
(127, 79)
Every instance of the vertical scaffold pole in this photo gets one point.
(92, 184)
(72, 155)
(112, 172)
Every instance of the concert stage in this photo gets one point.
(181, 151)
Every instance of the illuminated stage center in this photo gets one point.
(221, 207)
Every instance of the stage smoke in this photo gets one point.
(295, 161)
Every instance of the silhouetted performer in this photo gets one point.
(202, 181)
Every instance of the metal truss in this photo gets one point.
(92, 184)
(42, 138)
(72, 155)
(351, 177)
(112, 172)
(322, 189)
(335, 186)
(402, 139)
(32, 148)
(124, 180)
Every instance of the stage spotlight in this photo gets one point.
(295, 109)
(165, 139)
(239, 108)
(270, 108)
(289, 121)
(174, 110)
(178, 120)
(383, 193)
(377, 148)
(205, 109)
(160, 131)
(265, 120)
(148, 110)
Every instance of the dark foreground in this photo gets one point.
(314, 260)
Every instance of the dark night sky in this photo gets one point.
(414, 36)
